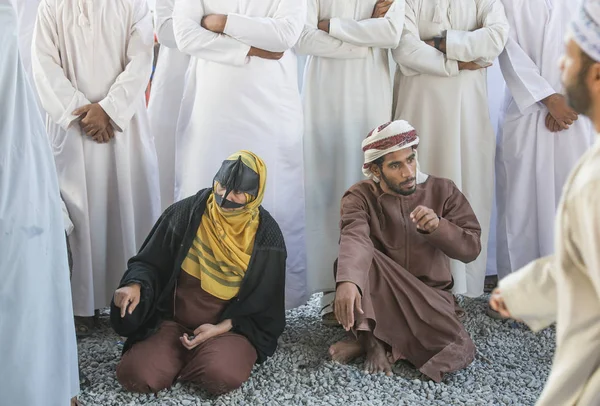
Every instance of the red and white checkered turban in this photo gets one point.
(387, 138)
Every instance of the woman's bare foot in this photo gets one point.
(377, 359)
(346, 351)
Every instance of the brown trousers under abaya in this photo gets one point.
(219, 365)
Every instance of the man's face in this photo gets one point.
(398, 172)
(574, 77)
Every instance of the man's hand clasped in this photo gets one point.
(560, 115)
(95, 123)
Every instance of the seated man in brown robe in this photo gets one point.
(398, 231)
(203, 301)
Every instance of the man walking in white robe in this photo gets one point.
(242, 93)
(347, 93)
(91, 79)
(565, 287)
(37, 337)
(441, 89)
(541, 137)
(165, 98)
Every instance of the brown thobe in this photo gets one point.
(404, 275)
(218, 365)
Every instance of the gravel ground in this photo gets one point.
(510, 369)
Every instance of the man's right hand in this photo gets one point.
(261, 53)
(381, 8)
(347, 301)
(552, 125)
(471, 66)
(93, 118)
(560, 110)
(497, 304)
(127, 298)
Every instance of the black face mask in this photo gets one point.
(234, 175)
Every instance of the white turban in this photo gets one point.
(586, 28)
(387, 138)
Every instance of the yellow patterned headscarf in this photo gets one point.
(221, 251)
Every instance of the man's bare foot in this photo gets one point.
(75, 402)
(346, 351)
(377, 359)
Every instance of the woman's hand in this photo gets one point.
(204, 333)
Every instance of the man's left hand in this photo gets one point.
(381, 8)
(323, 25)
(93, 118)
(214, 22)
(201, 334)
(426, 219)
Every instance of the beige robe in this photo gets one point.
(565, 288)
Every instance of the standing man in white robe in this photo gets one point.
(347, 93)
(242, 93)
(37, 337)
(541, 137)
(441, 88)
(565, 287)
(91, 79)
(165, 98)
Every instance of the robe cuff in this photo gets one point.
(67, 118)
(520, 301)
(443, 237)
(335, 27)
(112, 111)
(344, 278)
(453, 44)
(452, 67)
(533, 103)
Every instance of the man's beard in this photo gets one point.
(397, 188)
(578, 95)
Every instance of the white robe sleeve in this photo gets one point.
(198, 42)
(276, 34)
(120, 102)
(57, 94)
(319, 43)
(382, 32)
(163, 21)
(586, 218)
(530, 293)
(484, 44)
(415, 57)
(522, 75)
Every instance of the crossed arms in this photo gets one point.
(344, 38)
(230, 39)
(459, 50)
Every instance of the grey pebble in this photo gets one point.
(300, 374)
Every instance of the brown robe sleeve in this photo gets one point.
(459, 232)
(356, 247)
